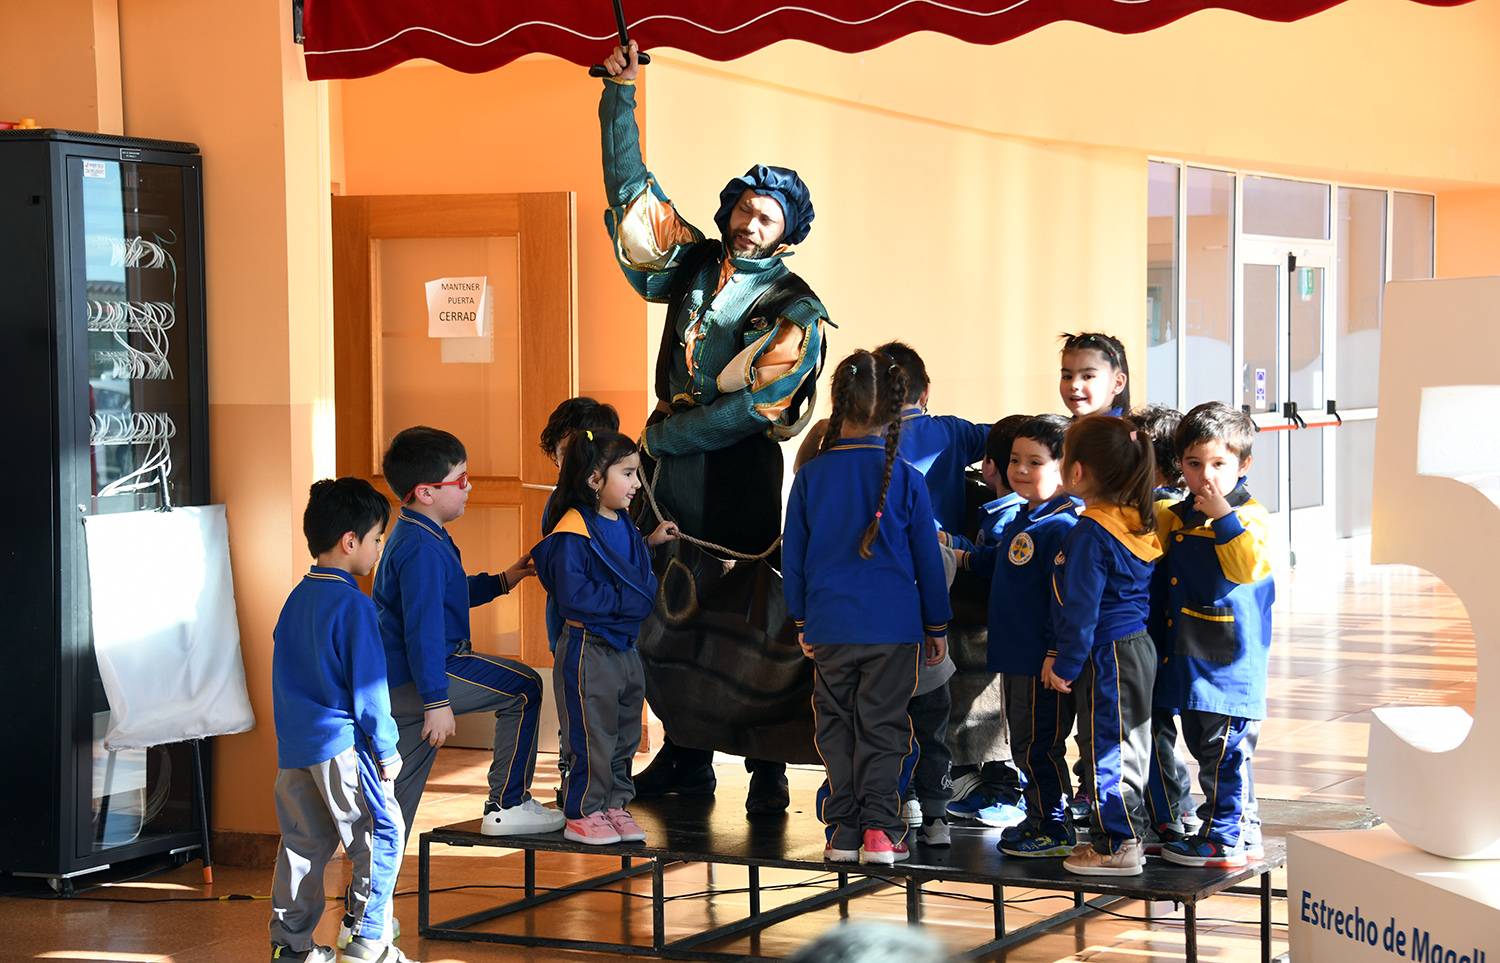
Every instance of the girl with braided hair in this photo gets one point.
(864, 581)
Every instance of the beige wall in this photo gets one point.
(60, 64)
(1468, 235)
(262, 130)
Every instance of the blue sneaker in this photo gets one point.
(1001, 814)
(1202, 851)
(966, 807)
(1038, 844)
(1015, 832)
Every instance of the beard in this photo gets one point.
(753, 253)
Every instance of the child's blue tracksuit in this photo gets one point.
(333, 731)
(1219, 596)
(598, 570)
(423, 598)
(1019, 566)
(865, 620)
(1101, 587)
(1168, 786)
(941, 447)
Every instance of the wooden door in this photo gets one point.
(389, 375)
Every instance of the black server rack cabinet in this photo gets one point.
(102, 375)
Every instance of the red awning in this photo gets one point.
(356, 38)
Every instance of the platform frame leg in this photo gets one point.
(1190, 920)
(997, 897)
(1265, 918)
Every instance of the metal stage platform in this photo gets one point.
(695, 830)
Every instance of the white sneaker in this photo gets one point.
(935, 833)
(346, 930)
(528, 818)
(965, 785)
(911, 812)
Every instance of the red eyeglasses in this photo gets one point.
(462, 481)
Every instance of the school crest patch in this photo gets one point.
(1059, 559)
(1021, 549)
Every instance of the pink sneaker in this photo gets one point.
(878, 848)
(593, 829)
(630, 831)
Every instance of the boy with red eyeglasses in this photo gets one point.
(423, 599)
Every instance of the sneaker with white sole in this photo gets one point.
(911, 812)
(527, 818)
(965, 785)
(935, 833)
(346, 930)
(880, 849)
(1205, 852)
(1128, 860)
(965, 807)
(318, 954)
(840, 855)
(1000, 814)
(361, 950)
(593, 829)
(1155, 837)
(625, 825)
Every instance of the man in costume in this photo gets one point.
(736, 372)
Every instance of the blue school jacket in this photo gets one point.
(941, 447)
(1019, 567)
(1156, 618)
(423, 598)
(993, 517)
(1100, 584)
(836, 597)
(328, 684)
(1219, 598)
(608, 591)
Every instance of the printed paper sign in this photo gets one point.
(1260, 388)
(457, 307)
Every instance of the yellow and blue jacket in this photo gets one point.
(1218, 615)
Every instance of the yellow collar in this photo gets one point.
(1121, 522)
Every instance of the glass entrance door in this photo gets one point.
(1286, 368)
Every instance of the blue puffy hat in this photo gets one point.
(775, 182)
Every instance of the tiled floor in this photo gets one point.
(1347, 641)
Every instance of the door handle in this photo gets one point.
(1289, 412)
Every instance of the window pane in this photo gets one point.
(1260, 390)
(1161, 283)
(1356, 471)
(1264, 478)
(1361, 286)
(1285, 208)
(1411, 237)
(1209, 263)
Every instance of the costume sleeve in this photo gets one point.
(485, 587)
(363, 658)
(583, 592)
(1240, 543)
(648, 234)
(1077, 591)
(757, 388)
(422, 582)
(794, 552)
(927, 558)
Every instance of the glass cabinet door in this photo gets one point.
(135, 303)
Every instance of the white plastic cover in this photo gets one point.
(165, 631)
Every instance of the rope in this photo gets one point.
(647, 482)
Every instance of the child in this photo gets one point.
(864, 581)
(1095, 380)
(423, 598)
(1169, 797)
(1095, 375)
(989, 790)
(1100, 586)
(594, 563)
(1219, 629)
(335, 739)
(938, 446)
(569, 418)
(1020, 568)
